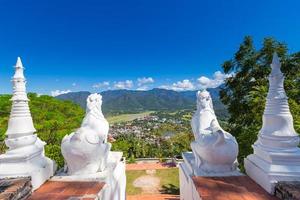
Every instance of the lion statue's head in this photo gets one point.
(94, 103)
(204, 101)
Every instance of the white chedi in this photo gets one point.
(25, 156)
(276, 155)
(215, 150)
(86, 150)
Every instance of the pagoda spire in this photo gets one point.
(20, 121)
(276, 65)
(19, 82)
(19, 62)
(19, 74)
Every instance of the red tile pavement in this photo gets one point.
(146, 166)
(64, 190)
(230, 188)
(153, 197)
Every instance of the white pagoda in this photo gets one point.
(276, 154)
(25, 156)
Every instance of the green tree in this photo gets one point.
(245, 93)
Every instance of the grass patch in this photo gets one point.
(127, 117)
(131, 176)
(169, 181)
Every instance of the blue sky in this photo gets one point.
(75, 45)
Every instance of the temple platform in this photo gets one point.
(228, 188)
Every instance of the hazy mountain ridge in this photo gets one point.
(130, 101)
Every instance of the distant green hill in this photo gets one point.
(132, 101)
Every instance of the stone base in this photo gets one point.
(187, 170)
(267, 173)
(35, 165)
(189, 160)
(113, 176)
(187, 187)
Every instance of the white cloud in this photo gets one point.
(123, 84)
(103, 84)
(144, 80)
(202, 83)
(180, 86)
(216, 81)
(183, 85)
(59, 92)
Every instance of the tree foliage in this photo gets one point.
(245, 93)
(155, 144)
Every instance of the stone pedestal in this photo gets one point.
(113, 176)
(268, 167)
(29, 163)
(25, 156)
(186, 172)
(188, 169)
(276, 154)
(190, 164)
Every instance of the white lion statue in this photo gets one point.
(215, 150)
(86, 150)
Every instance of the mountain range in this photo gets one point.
(133, 101)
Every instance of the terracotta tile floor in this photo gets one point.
(59, 190)
(146, 166)
(230, 188)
